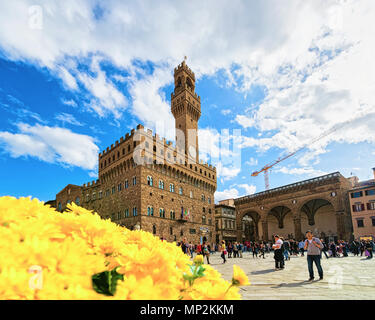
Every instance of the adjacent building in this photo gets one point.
(362, 204)
(320, 204)
(148, 183)
(225, 221)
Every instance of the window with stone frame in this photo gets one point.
(150, 211)
(119, 187)
(135, 211)
(127, 213)
(59, 207)
(360, 223)
(150, 181)
(134, 181)
(153, 229)
(161, 184)
(172, 215)
(180, 191)
(162, 213)
(171, 187)
(191, 194)
(113, 189)
(126, 184)
(119, 216)
(203, 219)
(100, 194)
(77, 201)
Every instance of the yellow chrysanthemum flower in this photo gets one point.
(239, 277)
(198, 259)
(47, 254)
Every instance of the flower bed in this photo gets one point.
(76, 254)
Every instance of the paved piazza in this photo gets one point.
(344, 278)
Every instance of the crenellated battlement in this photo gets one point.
(183, 67)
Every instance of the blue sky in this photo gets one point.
(76, 76)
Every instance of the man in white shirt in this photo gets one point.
(279, 256)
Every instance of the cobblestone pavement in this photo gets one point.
(351, 278)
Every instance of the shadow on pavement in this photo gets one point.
(263, 271)
(291, 285)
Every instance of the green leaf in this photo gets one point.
(106, 282)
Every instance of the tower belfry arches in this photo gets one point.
(186, 109)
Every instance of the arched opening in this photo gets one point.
(280, 222)
(318, 215)
(250, 226)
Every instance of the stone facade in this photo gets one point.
(362, 205)
(225, 222)
(320, 204)
(146, 182)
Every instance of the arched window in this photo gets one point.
(171, 187)
(150, 211)
(161, 184)
(172, 215)
(149, 181)
(153, 229)
(77, 201)
(162, 213)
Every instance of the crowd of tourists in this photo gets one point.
(283, 250)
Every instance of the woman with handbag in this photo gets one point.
(223, 251)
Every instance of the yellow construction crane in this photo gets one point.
(275, 162)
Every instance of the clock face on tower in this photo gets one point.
(192, 151)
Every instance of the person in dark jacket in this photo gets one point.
(278, 248)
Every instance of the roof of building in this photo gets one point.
(290, 187)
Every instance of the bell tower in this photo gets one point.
(186, 109)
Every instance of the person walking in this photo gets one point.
(255, 250)
(240, 249)
(230, 250)
(262, 250)
(286, 249)
(235, 250)
(278, 253)
(325, 248)
(301, 247)
(206, 252)
(313, 246)
(369, 248)
(223, 250)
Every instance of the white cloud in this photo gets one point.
(244, 121)
(314, 58)
(225, 112)
(106, 97)
(233, 193)
(51, 144)
(150, 105)
(249, 189)
(252, 162)
(69, 102)
(226, 194)
(311, 172)
(68, 118)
